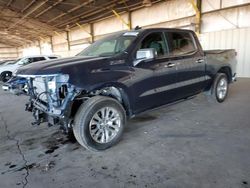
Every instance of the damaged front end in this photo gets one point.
(51, 97)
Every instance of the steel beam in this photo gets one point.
(39, 45)
(10, 2)
(28, 13)
(81, 27)
(130, 20)
(92, 32)
(69, 11)
(121, 19)
(83, 15)
(109, 6)
(197, 8)
(28, 6)
(47, 9)
(68, 40)
(51, 43)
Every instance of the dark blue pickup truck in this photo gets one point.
(119, 76)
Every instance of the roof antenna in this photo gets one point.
(137, 27)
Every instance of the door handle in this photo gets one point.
(169, 65)
(199, 61)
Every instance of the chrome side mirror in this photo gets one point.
(144, 54)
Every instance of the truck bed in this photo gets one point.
(228, 56)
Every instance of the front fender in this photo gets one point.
(125, 92)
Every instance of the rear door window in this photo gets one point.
(180, 43)
(53, 57)
(35, 59)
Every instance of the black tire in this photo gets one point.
(215, 93)
(86, 113)
(5, 76)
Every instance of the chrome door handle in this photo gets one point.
(200, 61)
(169, 65)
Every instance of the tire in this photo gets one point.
(220, 88)
(5, 76)
(94, 131)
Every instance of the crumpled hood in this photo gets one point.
(63, 65)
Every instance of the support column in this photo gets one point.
(51, 44)
(68, 40)
(121, 19)
(197, 7)
(130, 20)
(40, 49)
(92, 39)
(199, 17)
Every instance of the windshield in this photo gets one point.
(17, 61)
(109, 46)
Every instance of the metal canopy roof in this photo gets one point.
(25, 21)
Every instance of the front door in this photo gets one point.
(155, 79)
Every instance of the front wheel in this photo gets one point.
(220, 87)
(99, 123)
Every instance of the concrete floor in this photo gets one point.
(195, 143)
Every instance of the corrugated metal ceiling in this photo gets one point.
(23, 21)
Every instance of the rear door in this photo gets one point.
(189, 61)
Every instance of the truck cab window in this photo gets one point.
(53, 57)
(180, 43)
(156, 41)
(35, 59)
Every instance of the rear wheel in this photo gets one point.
(5, 76)
(99, 123)
(220, 87)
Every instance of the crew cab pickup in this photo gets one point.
(120, 76)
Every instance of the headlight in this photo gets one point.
(56, 81)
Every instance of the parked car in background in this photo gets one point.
(121, 76)
(5, 62)
(7, 70)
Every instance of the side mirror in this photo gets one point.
(144, 54)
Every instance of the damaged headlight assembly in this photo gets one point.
(50, 97)
(52, 85)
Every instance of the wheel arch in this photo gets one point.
(114, 90)
(118, 92)
(226, 70)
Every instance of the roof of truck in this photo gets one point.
(160, 28)
(140, 30)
